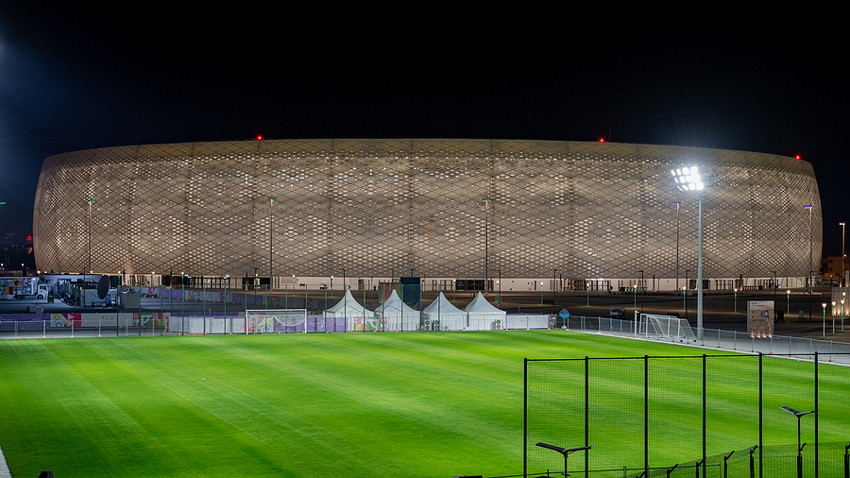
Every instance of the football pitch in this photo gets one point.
(353, 405)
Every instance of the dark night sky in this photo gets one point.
(75, 78)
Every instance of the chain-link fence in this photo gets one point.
(829, 350)
(708, 415)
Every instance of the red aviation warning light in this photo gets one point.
(601, 140)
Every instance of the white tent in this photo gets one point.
(482, 315)
(357, 317)
(442, 315)
(395, 315)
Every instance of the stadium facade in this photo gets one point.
(529, 213)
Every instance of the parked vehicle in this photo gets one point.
(22, 288)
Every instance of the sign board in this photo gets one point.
(760, 318)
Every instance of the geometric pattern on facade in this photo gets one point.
(392, 207)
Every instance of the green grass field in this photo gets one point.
(359, 405)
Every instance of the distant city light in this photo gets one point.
(259, 137)
(601, 140)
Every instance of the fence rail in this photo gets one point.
(732, 340)
(165, 323)
(656, 410)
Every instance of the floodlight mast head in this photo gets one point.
(688, 178)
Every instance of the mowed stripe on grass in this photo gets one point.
(412, 404)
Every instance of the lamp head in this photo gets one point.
(552, 447)
(688, 178)
(795, 412)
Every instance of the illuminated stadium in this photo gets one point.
(531, 214)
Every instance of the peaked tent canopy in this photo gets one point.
(443, 315)
(482, 315)
(395, 315)
(357, 316)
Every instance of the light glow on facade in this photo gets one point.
(381, 207)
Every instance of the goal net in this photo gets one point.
(275, 321)
(665, 327)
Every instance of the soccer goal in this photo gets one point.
(271, 321)
(666, 327)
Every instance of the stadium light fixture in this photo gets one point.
(565, 452)
(691, 179)
(799, 448)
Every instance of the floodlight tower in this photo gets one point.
(689, 179)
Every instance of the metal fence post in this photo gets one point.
(704, 413)
(586, 413)
(524, 414)
(761, 418)
(752, 462)
(817, 417)
(646, 415)
(726, 464)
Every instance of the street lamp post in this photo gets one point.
(773, 284)
(486, 243)
(823, 306)
(271, 241)
(809, 207)
(499, 289)
(554, 281)
(799, 448)
(841, 281)
(345, 303)
(182, 303)
(677, 203)
(88, 267)
(565, 452)
(541, 292)
(735, 291)
(685, 290)
(832, 313)
(788, 303)
(640, 284)
(690, 179)
(224, 300)
(811, 281)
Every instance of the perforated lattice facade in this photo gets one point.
(372, 206)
